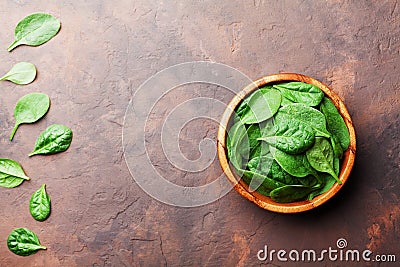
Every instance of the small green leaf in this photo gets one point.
(39, 205)
(21, 73)
(34, 30)
(30, 108)
(293, 164)
(23, 242)
(11, 173)
(56, 138)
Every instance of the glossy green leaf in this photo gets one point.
(290, 193)
(300, 92)
(21, 73)
(293, 164)
(305, 115)
(39, 204)
(56, 138)
(328, 182)
(34, 30)
(23, 242)
(291, 136)
(30, 108)
(11, 173)
(335, 123)
(263, 103)
(321, 157)
(261, 180)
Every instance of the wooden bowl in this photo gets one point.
(266, 202)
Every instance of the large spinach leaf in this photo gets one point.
(56, 138)
(11, 173)
(293, 164)
(21, 73)
(34, 30)
(263, 104)
(39, 204)
(305, 115)
(321, 157)
(30, 108)
(335, 123)
(300, 92)
(23, 242)
(290, 136)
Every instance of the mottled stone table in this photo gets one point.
(107, 49)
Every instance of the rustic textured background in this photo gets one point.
(106, 49)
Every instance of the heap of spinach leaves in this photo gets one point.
(287, 141)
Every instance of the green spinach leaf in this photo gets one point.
(335, 123)
(291, 136)
(321, 157)
(30, 108)
(292, 164)
(260, 180)
(290, 193)
(39, 205)
(300, 92)
(34, 30)
(23, 242)
(305, 115)
(56, 138)
(263, 104)
(11, 173)
(328, 182)
(21, 73)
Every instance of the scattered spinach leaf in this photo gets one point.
(21, 73)
(11, 173)
(30, 108)
(34, 30)
(56, 138)
(39, 204)
(23, 242)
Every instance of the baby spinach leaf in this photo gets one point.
(34, 30)
(39, 205)
(21, 73)
(286, 101)
(305, 115)
(290, 136)
(335, 123)
(261, 180)
(261, 164)
(292, 164)
(320, 156)
(300, 92)
(56, 138)
(30, 108)
(263, 104)
(23, 242)
(11, 173)
(328, 182)
(290, 193)
(279, 174)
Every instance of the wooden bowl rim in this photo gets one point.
(264, 201)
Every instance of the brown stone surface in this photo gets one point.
(107, 49)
